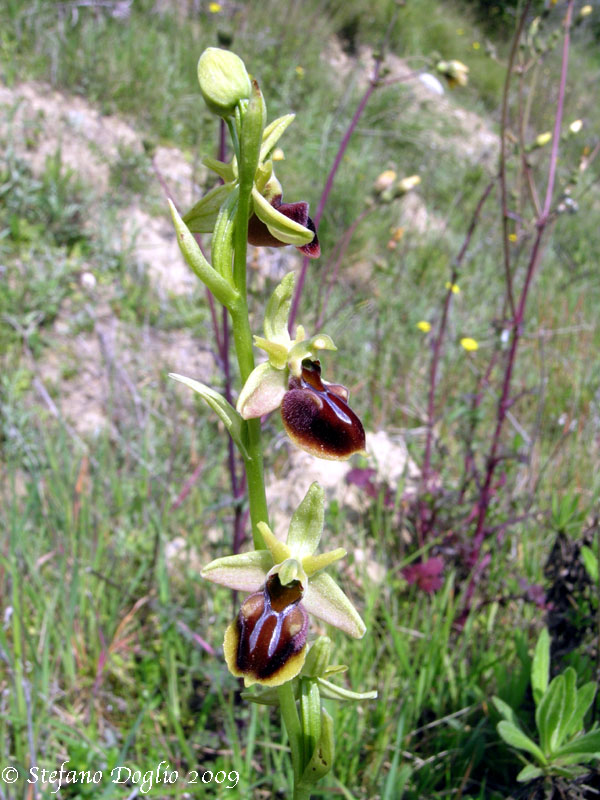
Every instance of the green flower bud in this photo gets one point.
(223, 80)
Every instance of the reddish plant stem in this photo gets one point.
(503, 130)
(517, 324)
(424, 523)
(373, 83)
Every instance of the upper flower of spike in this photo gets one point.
(316, 414)
(272, 222)
(266, 643)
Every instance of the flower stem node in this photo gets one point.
(223, 80)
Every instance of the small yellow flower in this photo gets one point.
(512, 237)
(397, 233)
(469, 344)
(215, 8)
(576, 126)
(476, 45)
(300, 71)
(384, 180)
(585, 11)
(424, 326)
(407, 184)
(278, 154)
(543, 139)
(453, 286)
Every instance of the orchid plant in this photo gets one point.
(268, 643)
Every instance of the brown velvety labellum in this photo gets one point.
(317, 417)
(260, 236)
(272, 626)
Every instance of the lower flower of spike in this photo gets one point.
(266, 643)
(317, 417)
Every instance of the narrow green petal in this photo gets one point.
(245, 572)
(306, 525)
(262, 392)
(325, 599)
(278, 353)
(312, 564)
(279, 551)
(280, 226)
(273, 132)
(226, 412)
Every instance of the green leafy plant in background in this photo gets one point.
(266, 643)
(562, 746)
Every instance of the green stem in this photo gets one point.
(289, 714)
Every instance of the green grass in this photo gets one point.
(100, 660)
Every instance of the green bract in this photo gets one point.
(292, 560)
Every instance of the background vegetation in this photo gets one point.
(106, 628)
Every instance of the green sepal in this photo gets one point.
(540, 666)
(226, 412)
(324, 598)
(278, 353)
(323, 755)
(222, 241)
(262, 392)
(280, 226)
(273, 132)
(190, 249)
(203, 216)
(245, 572)
(278, 311)
(333, 692)
(515, 737)
(279, 551)
(306, 524)
(228, 172)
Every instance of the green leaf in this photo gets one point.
(590, 562)
(588, 743)
(280, 226)
(515, 737)
(278, 310)
(529, 773)
(310, 717)
(226, 412)
(585, 698)
(228, 172)
(306, 525)
(203, 216)
(549, 713)
(569, 708)
(540, 666)
(505, 710)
